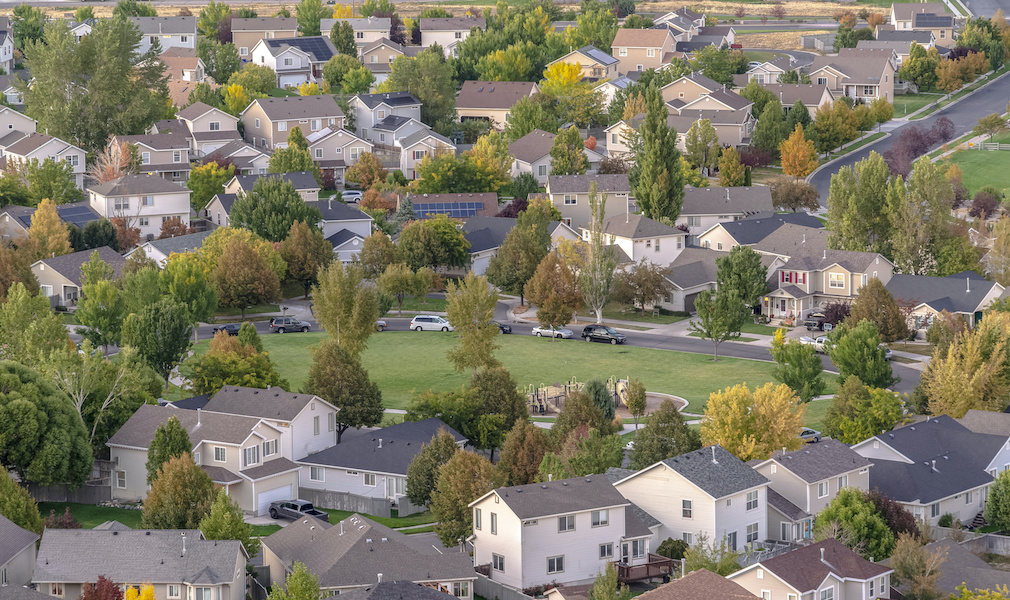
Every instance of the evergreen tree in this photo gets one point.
(771, 128)
(660, 185)
(170, 441)
(225, 521)
(665, 435)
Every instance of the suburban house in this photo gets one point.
(827, 570)
(641, 238)
(296, 60)
(7, 50)
(248, 159)
(421, 143)
(393, 128)
(960, 566)
(901, 48)
(246, 33)
(706, 207)
(15, 220)
(39, 146)
(243, 454)
(167, 32)
(805, 481)
(448, 32)
(303, 181)
(59, 277)
(267, 120)
(366, 30)
(643, 49)
(559, 531)
(178, 563)
(694, 271)
(752, 229)
(595, 63)
(378, 56)
(370, 109)
(609, 88)
(160, 250)
(715, 35)
(371, 463)
(617, 136)
(334, 149)
(695, 97)
(163, 154)
(11, 120)
(923, 38)
(486, 234)
(698, 585)
(707, 492)
(966, 294)
(812, 96)
(343, 226)
(570, 195)
(145, 201)
(209, 128)
(460, 205)
(10, 91)
(491, 100)
(532, 154)
(356, 553)
(218, 210)
(925, 16)
(17, 554)
(936, 467)
(862, 74)
(767, 72)
(184, 69)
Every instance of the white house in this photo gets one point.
(708, 206)
(145, 201)
(40, 146)
(295, 60)
(336, 149)
(17, 553)
(448, 32)
(641, 238)
(370, 109)
(168, 32)
(160, 250)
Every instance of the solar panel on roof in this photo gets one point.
(456, 210)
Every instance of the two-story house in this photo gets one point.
(902, 49)
(532, 154)
(767, 72)
(925, 16)
(304, 183)
(11, 121)
(167, 32)
(805, 481)
(859, 73)
(248, 159)
(643, 49)
(393, 128)
(697, 585)
(296, 60)
(16, 220)
(378, 57)
(247, 32)
(178, 563)
(966, 294)
(694, 97)
(366, 29)
(160, 250)
(558, 531)
(417, 145)
(267, 121)
(486, 233)
(370, 109)
(696, 270)
(641, 238)
(145, 201)
(707, 492)
(937, 467)
(39, 146)
(491, 100)
(812, 96)
(706, 207)
(59, 277)
(209, 128)
(448, 32)
(827, 570)
(7, 50)
(595, 64)
(163, 154)
(345, 227)
(570, 195)
(335, 149)
(752, 229)
(17, 554)
(184, 69)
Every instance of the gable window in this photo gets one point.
(836, 280)
(220, 454)
(843, 481)
(571, 200)
(601, 518)
(183, 38)
(822, 81)
(566, 523)
(355, 153)
(73, 160)
(177, 156)
(370, 479)
(359, 35)
(319, 152)
(606, 551)
(822, 489)
(288, 62)
(269, 447)
(498, 563)
(555, 564)
(317, 474)
(121, 480)
(752, 500)
(282, 126)
(476, 519)
(214, 126)
(315, 425)
(752, 533)
(382, 114)
(257, 127)
(145, 158)
(418, 154)
(251, 455)
(494, 524)
(828, 594)
(686, 508)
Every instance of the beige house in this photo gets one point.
(336, 149)
(21, 149)
(163, 154)
(414, 147)
(766, 72)
(689, 88)
(705, 207)
(303, 181)
(448, 32)
(925, 16)
(378, 57)
(618, 137)
(246, 33)
(247, 159)
(750, 230)
(812, 96)
(11, 121)
(59, 277)
(145, 201)
(209, 128)
(643, 49)
(570, 195)
(860, 73)
(366, 30)
(491, 100)
(17, 554)
(596, 64)
(267, 121)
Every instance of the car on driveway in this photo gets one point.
(593, 333)
(810, 436)
(502, 327)
(351, 196)
(562, 333)
(815, 321)
(230, 328)
(888, 355)
(286, 324)
(296, 509)
(430, 323)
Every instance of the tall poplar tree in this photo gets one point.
(660, 188)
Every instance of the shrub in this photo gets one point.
(672, 548)
(946, 520)
(753, 157)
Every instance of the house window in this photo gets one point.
(822, 489)
(640, 68)
(688, 538)
(686, 508)
(498, 563)
(476, 519)
(282, 126)
(177, 156)
(215, 125)
(766, 595)
(606, 551)
(752, 500)
(828, 594)
(867, 90)
(637, 548)
(203, 593)
(622, 52)
(650, 52)
(121, 480)
(174, 591)
(370, 479)
(251, 455)
(331, 424)
(73, 160)
(145, 158)
(373, 59)
(47, 290)
(934, 510)
(694, 221)
(418, 154)
(56, 589)
(359, 35)
(340, 150)
(871, 588)
(571, 200)
(319, 152)
(183, 38)
(566, 523)
(752, 533)
(943, 34)
(494, 524)
(657, 245)
(601, 518)
(243, 51)
(147, 200)
(967, 498)
(288, 62)
(836, 280)
(542, 170)
(316, 474)
(843, 481)
(555, 564)
(316, 125)
(270, 448)
(355, 153)
(461, 590)
(718, 245)
(315, 425)
(731, 540)
(257, 127)
(822, 81)
(121, 203)
(382, 114)
(220, 454)
(144, 221)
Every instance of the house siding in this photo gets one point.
(19, 568)
(660, 491)
(134, 464)
(350, 481)
(777, 588)
(579, 214)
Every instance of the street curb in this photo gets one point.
(980, 88)
(887, 134)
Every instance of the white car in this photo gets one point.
(562, 333)
(351, 196)
(430, 323)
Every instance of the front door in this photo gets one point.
(787, 530)
(626, 553)
(782, 307)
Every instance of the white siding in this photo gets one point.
(508, 542)
(660, 491)
(580, 548)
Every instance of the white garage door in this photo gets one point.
(292, 80)
(281, 493)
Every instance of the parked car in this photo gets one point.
(296, 509)
(603, 333)
(815, 321)
(380, 325)
(887, 352)
(562, 333)
(285, 324)
(820, 344)
(351, 196)
(230, 328)
(502, 327)
(430, 323)
(810, 436)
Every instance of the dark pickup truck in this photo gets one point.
(296, 509)
(815, 321)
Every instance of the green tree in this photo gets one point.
(596, 277)
(271, 208)
(919, 217)
(399, 281)
(185, 280)
(339, 65)
(920, 67)
(972, 372)
(300, 584)
(731, 172)
(101, 312)
(52, 179)
(583, 453)
(140, 288)
(856, 351)
(210, 18)
(17, 504)
(990, 125)
(800, 368)
(858, 412)
(229, 361)
(377, 253)
(461, 480)
(306, 251)
(221, 60)
(292, 159)
(337, 376)
(342, 36)
(203, 92)
(422, 473)
(358, 81)
(225, 521)
(741, 270)
(997, 508)
(180, 496)
(601, 397)
(133, 8)
(854, 521)
(171, 440)
(771, 130)
(702, 145)
(255, 79)
(834, 126)
(309, 14)
(568, 155)
(207, 180)
(664, 436)
(100, 233)
(470, 308)
(858, 213)
(367, 171)
(657, 176)
(799, 115)
(916, 568)
(606, 586)
(429, 78)
(433, 243)
(554, 290)
(719, 559)
(160, 334)
(717, 63)
(29, 23)
(721, 315)
(345, 307)
(529, 114)
(522, 452)
(636, 399)
(243, 278)
(30, 330)
(876, 304)
(579, 411)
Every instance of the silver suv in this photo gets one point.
(430, 323)
(284, 324)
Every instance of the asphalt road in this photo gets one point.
(986, 8)
(964, 114)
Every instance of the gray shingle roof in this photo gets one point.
(816, 462)
(637, 227)
(716, 471)
(368, 24)
(13, 539)
(983, 421)
(637, 522)
(180, 243)
(378, 43)
(485, 233)
(134, 185)
(302, 180)
(265, 24)
(319, 48)
(789, 93)
(694, 267)
(858, 70)
(74, 213)
(756, 228)
(579, 184)
(354, 551)
(158, 141)
(33, 142)
(921, 37)
(790, 239)
(69, 265)
(784, 506)
(165, 25)
(727, 200)
(453, 24)
(154, 556)
(220, 475)
(688, 116)
(139, 430)
(399, 445)
(561, 496)
(393, 590)
(932, 21)
(421, 135)
(17, 592)
(493, 94)
(338, 211)
(113, 526)
(299, 107)
(700, 585)
(955, 293)
(341, 237)
(641, 38)
(270, 468)
(904, 12)
(273, 403)
(533, 146)
(390, 99)
(805, 570)
(226, 201)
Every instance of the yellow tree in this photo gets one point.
(948, 76)
(146, 592)
(634, 105)
(343, 11)
(235, 99)
(560, 78)
(799, 155)
(731, 171)
(48, 236)
(970, 374)
(490, 153)
(753, 425)
(308, 89)
(998, 258)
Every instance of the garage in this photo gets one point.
(292, 80)
(265, 498)
(689, 302)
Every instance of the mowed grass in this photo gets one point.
(983, 167)
(402, 363)
(907, 104)
(92, 516)
(423, 518)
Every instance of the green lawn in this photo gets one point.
(281, 93)
(758, 329)
(91, 516)
(402, 363)
(627, 313)
(909, 103)
(739, 339)
(761, 56)
(264, 530)
(412, 305)
(419, 519)
(982, 167)
(816, 411)
(68, 318)
(250, 310)
(962, 92)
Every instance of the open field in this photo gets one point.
(982, 167)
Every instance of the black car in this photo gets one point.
(603, 333)
(230, 328)
(502, 327)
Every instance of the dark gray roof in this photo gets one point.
(756, 228)
(706, 82)
(955, 293)
(579, 184)
(341, 237)
(637, 522)
(17, 592)
(389, 98)
(816, 462)
(789, 93)
(272, 403)
(615, 474)
(452, 23)
(485, 233)
(784, 506)
(921, 37)
(302, 180)
(392, 122)
(598, 55)
(69, 265)
(367, 23)
(335, 210)
(576, 494)
(730, 99)
(264, 24)
(378, 43)
(165, 25)
(319, 48)
(153, 556)
(694, 267)
(637, 227)
(790, 239)
(354, 551)
(193, 111)
(134, 185)
(112, 526)
(716, 471)
(220, 475)
(226, 201)
(270, 468)
(299, 107)
(387, 450)
(158, 141)
(727, 200)
(13, 539)
(139, 430)
(422, 134)
(393, 590)
(180, 243)
(493, 94)
(533, 146)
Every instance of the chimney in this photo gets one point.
(184, 544)
(380, 577)
(804, 238)
(380, 443)
(329, 203)
(198, 414)
(341, 528)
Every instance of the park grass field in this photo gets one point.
(983, 167)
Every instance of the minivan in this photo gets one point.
(430, 323)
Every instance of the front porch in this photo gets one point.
(655, 566)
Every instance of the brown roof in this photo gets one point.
(903, 12)
(699, 585)
(30, 144)
(533, 146)
(493, 94)
(806, 568)
(640, 38)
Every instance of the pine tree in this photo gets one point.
(170, 441)
(225, 521)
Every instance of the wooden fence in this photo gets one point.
(492, 590)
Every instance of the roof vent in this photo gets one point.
(564, 483)
(543, 486)
(149, 533)
(714, 461)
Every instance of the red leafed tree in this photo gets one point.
(64, 521)
(104, 589)
(173, 227)
(127, 236)
(590, 143)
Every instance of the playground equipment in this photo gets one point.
(544, 398)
